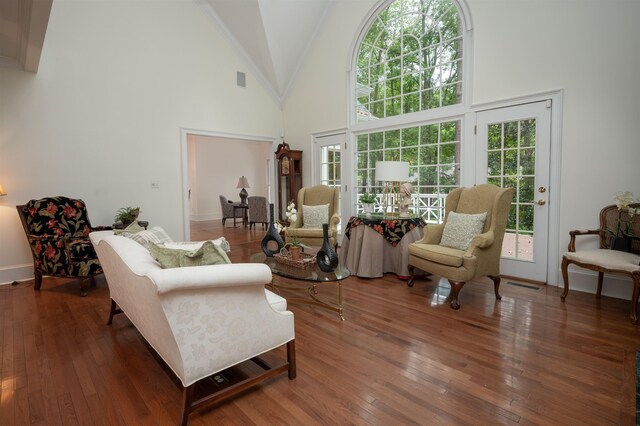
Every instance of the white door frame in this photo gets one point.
(184, 132)
(345, 169)
(556, 97)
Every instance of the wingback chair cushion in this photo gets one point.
(57, 229)
(315, 196)
(461, 228)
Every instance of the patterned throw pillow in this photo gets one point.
(207, 254)
(132, 228)
(155, 235)
(315, 216)
(195, 245)
(461, 228)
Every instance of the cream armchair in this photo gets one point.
(199, 319)
(314, 196)
(482, 256)
(604, 259)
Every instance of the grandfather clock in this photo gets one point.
(289, 176)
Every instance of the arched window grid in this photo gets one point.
(399, 73)
(391, 80)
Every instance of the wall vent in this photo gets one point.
(529, 286)
(241, 79)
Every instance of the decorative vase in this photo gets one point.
(326, 258)
(272, 236)
(368, 208)
(621, 243)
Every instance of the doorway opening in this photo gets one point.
(214, 165)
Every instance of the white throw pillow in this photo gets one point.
(461, 228)
(195, 245)
(315, 216)
(156, 235)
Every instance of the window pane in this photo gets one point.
(434, 164)
(418, 41)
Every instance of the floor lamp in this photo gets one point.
(392, 173)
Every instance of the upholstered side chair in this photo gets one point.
(309, 233)
(227, 208)
(57, 229)
(258, 211)
(604, 260)
(437, 252)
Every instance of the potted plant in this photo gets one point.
(623, 233)
(295, 248)
(127, 215)
(368, 200)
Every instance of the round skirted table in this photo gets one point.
(377, 244)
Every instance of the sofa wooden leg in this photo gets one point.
(114, 310)
(456, 286)
(291, 358)
(38, 282)
(187, 397)
(565, 278)
(412, 276)
(496, 285)
(83, 287)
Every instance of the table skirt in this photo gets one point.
(368, 255)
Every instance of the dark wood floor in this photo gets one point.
(401, 357)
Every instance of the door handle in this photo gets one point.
(541, 202)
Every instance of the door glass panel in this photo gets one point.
(330, 169)
(511, 163)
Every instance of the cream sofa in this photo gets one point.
(200, 320)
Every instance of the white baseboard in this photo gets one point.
(203, 217)
(617, 286)
(9, 274)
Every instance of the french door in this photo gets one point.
(328, 156)
(513, 150)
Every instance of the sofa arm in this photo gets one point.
(198, 277)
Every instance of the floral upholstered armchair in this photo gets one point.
(57, 229)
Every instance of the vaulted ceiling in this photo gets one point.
(272, 35)
(23, 24)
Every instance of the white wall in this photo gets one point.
(522, 47)
(219, 163)
(102, 117)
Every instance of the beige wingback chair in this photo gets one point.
(482, 257)
(313, 196)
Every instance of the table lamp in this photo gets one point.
(392, 173)
(243, 183)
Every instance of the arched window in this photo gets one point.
(410, 59)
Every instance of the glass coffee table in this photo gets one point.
(311, 277)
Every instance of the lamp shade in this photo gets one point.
(243, 182)
(2, 190)
(392, 171)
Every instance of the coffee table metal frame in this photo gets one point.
(313, 275)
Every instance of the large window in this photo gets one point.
(410, 60)
(433, 153)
